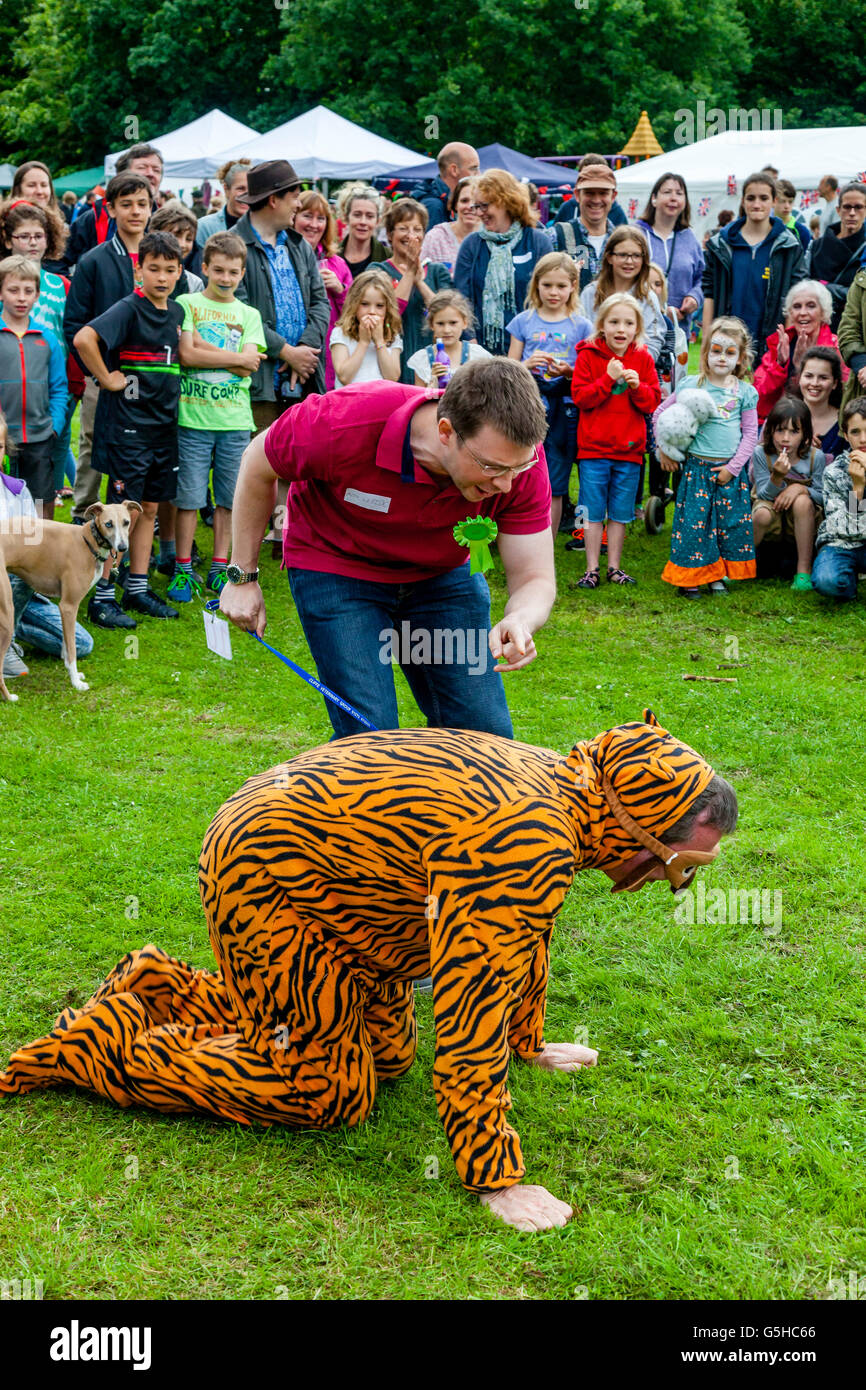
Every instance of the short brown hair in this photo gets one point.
(855, 407)
(498, 186)
(859, 188)
(224, 244)
(140, 151)
(401, 211)
(19, 265)
(496, 391)
(785, 188)
(172, 214)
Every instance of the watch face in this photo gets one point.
(234, 574)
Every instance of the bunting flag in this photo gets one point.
(632, 207)
(732, 184)
(704, 207)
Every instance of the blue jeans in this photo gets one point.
(38, 622)
(437, 630)
(835, 571)
(608, 488)
(61, 454)
(560, 443)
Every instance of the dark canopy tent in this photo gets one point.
(539, 171)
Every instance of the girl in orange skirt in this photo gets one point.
(712, 536)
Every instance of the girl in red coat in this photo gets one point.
(615, 387)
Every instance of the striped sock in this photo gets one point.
(219, 562)
(166, 550)
(185, 565)
(136, 583)
(104, 590)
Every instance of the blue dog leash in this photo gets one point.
(212, 606)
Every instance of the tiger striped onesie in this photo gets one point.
(330, 883)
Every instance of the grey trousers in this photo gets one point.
(87, 480)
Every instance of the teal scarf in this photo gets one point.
(498, 306)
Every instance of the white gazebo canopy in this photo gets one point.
(322, 145)
(714, 169)
(194, 151)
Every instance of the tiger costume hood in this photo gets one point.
(656, 777)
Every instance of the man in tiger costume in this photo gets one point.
(332, 882)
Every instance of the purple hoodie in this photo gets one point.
(686, 264)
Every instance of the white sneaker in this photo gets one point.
(13, 663)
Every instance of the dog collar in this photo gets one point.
(100, 542)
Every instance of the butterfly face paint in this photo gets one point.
(723, 355)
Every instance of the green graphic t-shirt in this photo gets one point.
(211, 398)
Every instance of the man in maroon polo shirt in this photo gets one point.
(379, 475)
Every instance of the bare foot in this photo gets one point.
(528, 1208)
(565, 1057)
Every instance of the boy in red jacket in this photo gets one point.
(614, 386)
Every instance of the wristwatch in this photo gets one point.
(235, 575)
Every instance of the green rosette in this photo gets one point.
(477, 532)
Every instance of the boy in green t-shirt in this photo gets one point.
(222, 342)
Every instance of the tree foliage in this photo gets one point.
(546, 76)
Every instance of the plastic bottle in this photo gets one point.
(442, 357)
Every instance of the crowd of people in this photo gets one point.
(183, 338)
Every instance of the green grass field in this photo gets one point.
(717, 1150)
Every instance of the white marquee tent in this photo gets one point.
(714, 169)
(194, 151)
(322, 145)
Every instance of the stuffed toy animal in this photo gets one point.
(677, 426)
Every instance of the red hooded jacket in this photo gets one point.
(612, 425)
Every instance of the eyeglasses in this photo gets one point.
(496, 470)
(680, 866)
(480, 207)
(626, 256)
(32, 238)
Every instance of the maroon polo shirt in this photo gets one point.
(358, 503)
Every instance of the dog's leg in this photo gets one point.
(7, 627)
(68, 614)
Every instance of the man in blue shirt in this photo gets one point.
(282, 281)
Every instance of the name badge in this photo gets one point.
(371, 500)
(521, 260)
(216, 632)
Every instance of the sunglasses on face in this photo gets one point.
(680, 866)
(497, 470)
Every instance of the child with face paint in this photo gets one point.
(711, 536)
